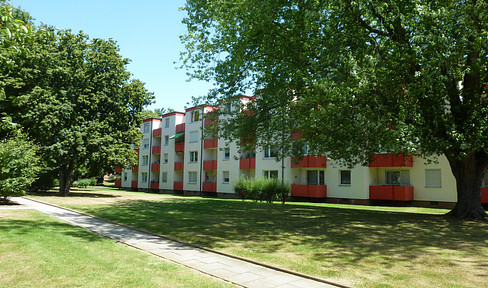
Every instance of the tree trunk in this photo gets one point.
(65, 177)
(469, 173)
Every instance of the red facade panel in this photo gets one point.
(210, 143)
(210, 165)
(310, 162)
(133, 184)
(157, 132)
(155, 185)
(135, 169)
(391, 160)
(118, 183)
(179, 166)
(118, 169)
(209, 187)
(180, 128)
(247, 163)
(155, 167)
(180, 147)
(178, 185)
(396, 193)
(484, 195)
(156, 150)
(313, 191)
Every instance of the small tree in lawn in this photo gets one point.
(18, 167)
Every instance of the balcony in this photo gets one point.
(118, 169)
(180, 147)
(179, 166)
(391, 160)
(484, 195)
(133, 184)
(210, 143)
(395, 193)
(155, 167)
(118, 183)
(310, 162)
(156, 150)
(135, 169)
(247, 163)
(157, 132)
(210, 122)
(155, 185)
(210, 165)
(312, 191)
(180, 128)
(209, 187)
(178, 185)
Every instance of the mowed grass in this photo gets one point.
(360, 246)
(39, 251)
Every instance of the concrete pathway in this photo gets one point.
(227, 268)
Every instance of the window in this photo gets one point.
(226, 176)
(144, 177)
(345, 177)
(164, 177)
(145, 144)
(226, 153)
(195, 115)
(270, 174)
(227, 107)
(270, 151)
(433, 178)
(395, 178)
(144, 160)
(165, 158)
(315, 177)
(166, 140)
(125, 176)
(193, 156)
(193, 136)
(166, 123)
(146, 127)
(192, 177)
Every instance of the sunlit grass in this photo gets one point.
(39, 251)
(362, 246)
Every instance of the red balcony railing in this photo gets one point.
(155, 167)
(180, 128)
(210, 165)
(135, 169)
(313, 191)
(180, 147)
(178, 185)
(118, 169)
(133, 184)
(210, 143)
(310, 162)
(155, 185)
(210, 122)
(209, 187)
(157, 132)
(247, 163)
(137, 151)
(396, 193)
(391, 160)
(484, 195)
(118, 183)
(179, 166)
(156, 150)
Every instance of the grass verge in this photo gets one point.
(360, 246)
(39, 251)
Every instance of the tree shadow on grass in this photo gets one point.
(328, 232)
(75, 193)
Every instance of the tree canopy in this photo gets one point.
(75, 98)
(356, 77)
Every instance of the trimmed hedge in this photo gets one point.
(261, 189)
(83, 183)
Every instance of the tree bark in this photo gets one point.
(65, 177)
(469, 173)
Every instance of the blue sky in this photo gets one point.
(147, 32)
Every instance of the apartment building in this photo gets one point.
(175, 156)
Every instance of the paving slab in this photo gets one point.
(230, 269)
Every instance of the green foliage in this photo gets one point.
(261, 189)
(83, 183)
(18, 166)
(354, 77)
(75, 98)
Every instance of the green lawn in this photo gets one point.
(39, 251)
(361, 246)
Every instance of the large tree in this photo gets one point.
(75, 98)
(360, 76)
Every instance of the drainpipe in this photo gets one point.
(201, 154)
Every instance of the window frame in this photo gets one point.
(225, 180)
(165, 158)
(166, 140)
(144, 177)
(341, 178)
(166, 123)
(164, 177)
(189, 177)
(145, 160)
(269, 151)
(193, 137)
(268, 174)
(194, 116)
(226, 153)
(427, 178)
(193, 156)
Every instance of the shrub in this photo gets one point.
(19, 166)
(83, 183)
(261, 189)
